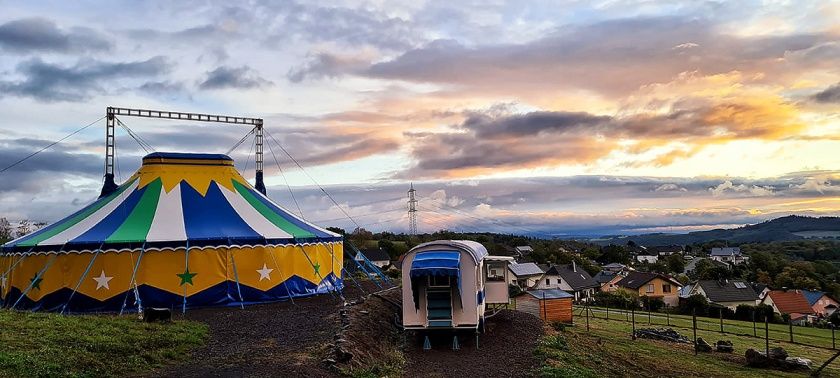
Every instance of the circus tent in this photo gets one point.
(186, 230)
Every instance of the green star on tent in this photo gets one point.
(36, 282)
(186, 277)
(317, 268)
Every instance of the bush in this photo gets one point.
(514, 290)
(693, 303)
(619, 299)
(652, 304)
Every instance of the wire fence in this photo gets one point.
(759, 327)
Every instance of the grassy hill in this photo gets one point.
(787, 228)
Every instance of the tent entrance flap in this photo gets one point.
(436, 263)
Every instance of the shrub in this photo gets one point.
(652, 304)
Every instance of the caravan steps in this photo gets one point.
(439, 307)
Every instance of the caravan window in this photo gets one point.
(439, 281)
(495, 270)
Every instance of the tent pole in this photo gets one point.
(133, 282)
(87, 270)
(187, 267)
(277, 266)
(236, 277)
(37, 277)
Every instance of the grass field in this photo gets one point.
(50, 345)
(608, 350)
(819, 337)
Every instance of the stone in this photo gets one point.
(365, 312)
(664, 334)
(757, 359)
(702, 345)
(778, 353)
(798, 363)
(724, 346)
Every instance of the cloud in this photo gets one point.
(612, 58)
(328, 65)
(229, 77)
(317, 145)
(43, 35)
(670, 188)
(362, 26)
(491, 141)
(828, 95)
(754, 190)
(52, 82)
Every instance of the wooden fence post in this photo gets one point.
(720, 314)
(790, 329)
(587, 317)
(753, 319)
(833, 345)
(633, 317)
(608, 311)
(667, 317)
(694, 328)
(648, 308)
(766, 336)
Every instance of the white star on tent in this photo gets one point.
(102, 281)
(265, 273)
(3, 282)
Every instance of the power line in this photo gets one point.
(359, 216)
(50, 145)
(496, 221)
(313, 179)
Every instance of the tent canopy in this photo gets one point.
(436, 263)
(176, 200)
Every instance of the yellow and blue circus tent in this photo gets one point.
(186, 230)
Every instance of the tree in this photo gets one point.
(6, 230)
(676, 263)
(614, 254)
(24, 227)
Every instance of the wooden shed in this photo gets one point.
(550, 305)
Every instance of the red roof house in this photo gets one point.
(791, 302)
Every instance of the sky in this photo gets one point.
(547, 118)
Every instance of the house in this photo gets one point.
(793, 303)
(647, 257)
(729, 255)
(611, 274)
(524, 275)
(523, 250)
(552, 305)
(761, 290)
(614, 267)
(568, 278)
(665, 250)
(653, 285)
(377, 257)
(823, 304)
(726, 293)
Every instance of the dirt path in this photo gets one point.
(267, 340)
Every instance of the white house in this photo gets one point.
(376, 256)
(650, 259)
(570, 279)
(729, 255)
(524, 275)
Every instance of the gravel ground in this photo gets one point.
(267, 340)
(290, 340)
(505, 350)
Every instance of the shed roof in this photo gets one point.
(727, 291)
(525, 269)
(790, 302)
(549, 294)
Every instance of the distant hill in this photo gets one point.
(791, 227)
